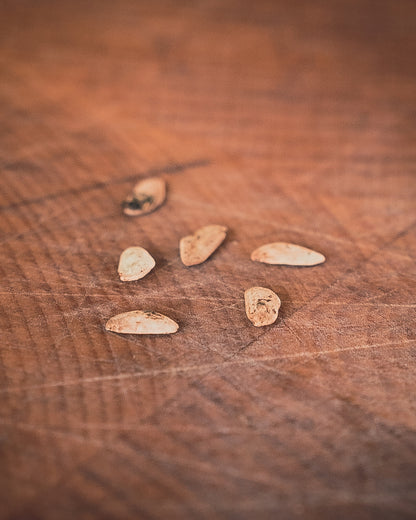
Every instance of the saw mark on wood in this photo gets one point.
(196, 368)
(139, 427)
(251, 218)
(223, 301)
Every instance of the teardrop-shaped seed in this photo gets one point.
(141, 322)
(262, 306)
(195, 249)
(147, 195)
(282, 253)
(135, 263)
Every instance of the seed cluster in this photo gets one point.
(261, 304)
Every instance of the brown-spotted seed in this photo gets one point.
(262, 306)
(195, 249)
(282, 253)
(141, 322)
(135, 263)
(147, 195)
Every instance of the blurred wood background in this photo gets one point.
(288, 121)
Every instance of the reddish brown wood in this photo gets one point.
(284, 121)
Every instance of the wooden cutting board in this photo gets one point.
(283, 121)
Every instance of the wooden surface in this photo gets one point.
(290, 121)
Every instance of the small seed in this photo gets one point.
(147, 195)
(195, 249)
(262, 306)
(135, 263)
(141, 322)
(281, 253)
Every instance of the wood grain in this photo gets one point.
(284, 121)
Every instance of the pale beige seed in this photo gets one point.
(135, 263)
(141, 322)
(195, 249)
(262, 306)
(282, 253)
(147, 195)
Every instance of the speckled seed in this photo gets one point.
(141, 322)
(135, 263)
(262, 306)
(282, 253)
(195, 249)
(146, 196)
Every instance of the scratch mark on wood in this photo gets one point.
(171, 168)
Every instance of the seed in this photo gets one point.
(141, 322)
(147, 195)
(281, 253)
(135, 263)
(262, 306)
(195, 249)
